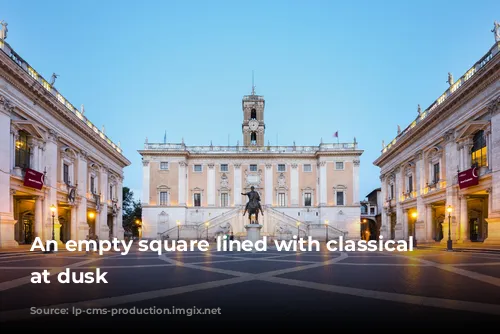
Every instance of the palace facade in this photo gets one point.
(443, 170)
(195, 191)
(60, 176)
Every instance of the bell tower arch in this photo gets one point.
(253, 127)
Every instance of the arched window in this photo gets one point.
(22, 153)
(253, 114)
(479, 150)
(253, 138)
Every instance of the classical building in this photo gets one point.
(443, 169)
(371, 215)
(195, 191)
(60, 176)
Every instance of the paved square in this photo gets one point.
(275, 289)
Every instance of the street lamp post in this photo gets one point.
(178, 229)
(206, 224)
(449, 244)
(414, 215)
(53, 210)
(298, 230)
(326, 226)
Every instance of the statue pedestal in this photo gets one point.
(253, 233)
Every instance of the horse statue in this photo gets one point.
(253, 205)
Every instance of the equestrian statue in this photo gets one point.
(253, 205)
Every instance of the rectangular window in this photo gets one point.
(224, 199)
(22, 152)
(281, 167)
(197, 199)
(111, 195)
(340, 198)
(339, 165)
(372, 211)
(197, 168)
(307, 199)
(281, 199)
(224, 168)
(436, 173)
(410, 183)
(253, 168)
(307, 168)
(392, 191)
(92, 185)
(66, 173)
(163, 165)
(163, 198)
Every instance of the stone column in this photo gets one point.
(182, 183)
(449, 163)
(145, 182)
(355, 182)
(211, 184)
(385, 228)
(405, 224)
(268, 180)
(421, 233)
(51, 162)
(118, 218)
(81, 211)
(7, 221)
(398, 189)
(464, 235)
(294, 184)
(103, 231)
(493, 219)
(74, 223)
(237, 184)
(429, 223)
(39, 218)
(322, 183)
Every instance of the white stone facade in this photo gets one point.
(41, 131)
(420, 167)
(195, 191)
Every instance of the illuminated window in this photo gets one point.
(22, 154)
(479, 150)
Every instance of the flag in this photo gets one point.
(336, 134)
(165, 137)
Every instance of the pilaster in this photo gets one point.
(145, 182)
(294, 184)
(237, 184)
(355, 182)
(182, 183)
(268, 179)
(211, 184)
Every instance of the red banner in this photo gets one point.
(33, 179)
(468, 178)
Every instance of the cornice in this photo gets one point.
(32, 89)
(485, 77)
(240, 155)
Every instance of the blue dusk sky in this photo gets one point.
(145, 67)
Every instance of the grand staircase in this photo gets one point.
(279, 226)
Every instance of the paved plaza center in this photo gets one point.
(279, 289)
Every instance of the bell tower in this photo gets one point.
(253, 126)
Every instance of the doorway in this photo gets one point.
(28, 228)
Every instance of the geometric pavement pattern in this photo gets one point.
(418, 284)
